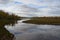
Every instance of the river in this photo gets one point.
(25, 31)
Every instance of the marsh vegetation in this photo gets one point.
(44, 20)
(7, 19)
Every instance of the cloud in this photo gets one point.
(31, 7)
(25, 10)
(5, 1)
(21, 10)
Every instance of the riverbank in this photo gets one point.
(7, 19)
(5, 34)
(44, 20)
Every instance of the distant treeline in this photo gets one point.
(44, 20)
(6, 15)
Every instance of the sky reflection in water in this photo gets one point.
(24, 31)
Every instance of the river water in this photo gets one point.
(25, 31)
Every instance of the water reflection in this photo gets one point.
(4, 33)
(24, 31)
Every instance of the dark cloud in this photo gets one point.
(4, 1)
(28, 9)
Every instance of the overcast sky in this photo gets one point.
(29, 8)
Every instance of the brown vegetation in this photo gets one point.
(44, 20)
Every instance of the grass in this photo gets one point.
(44, 20)
(7, 19)
(5, 34)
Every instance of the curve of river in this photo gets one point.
(25, 31)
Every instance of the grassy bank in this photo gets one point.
(5, 34)
(7, 19)
(44, 20)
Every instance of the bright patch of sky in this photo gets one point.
(29, 8)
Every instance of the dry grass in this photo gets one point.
(44, 20)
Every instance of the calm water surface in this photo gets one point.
(24, 31)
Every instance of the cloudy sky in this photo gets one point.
(29, 8)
